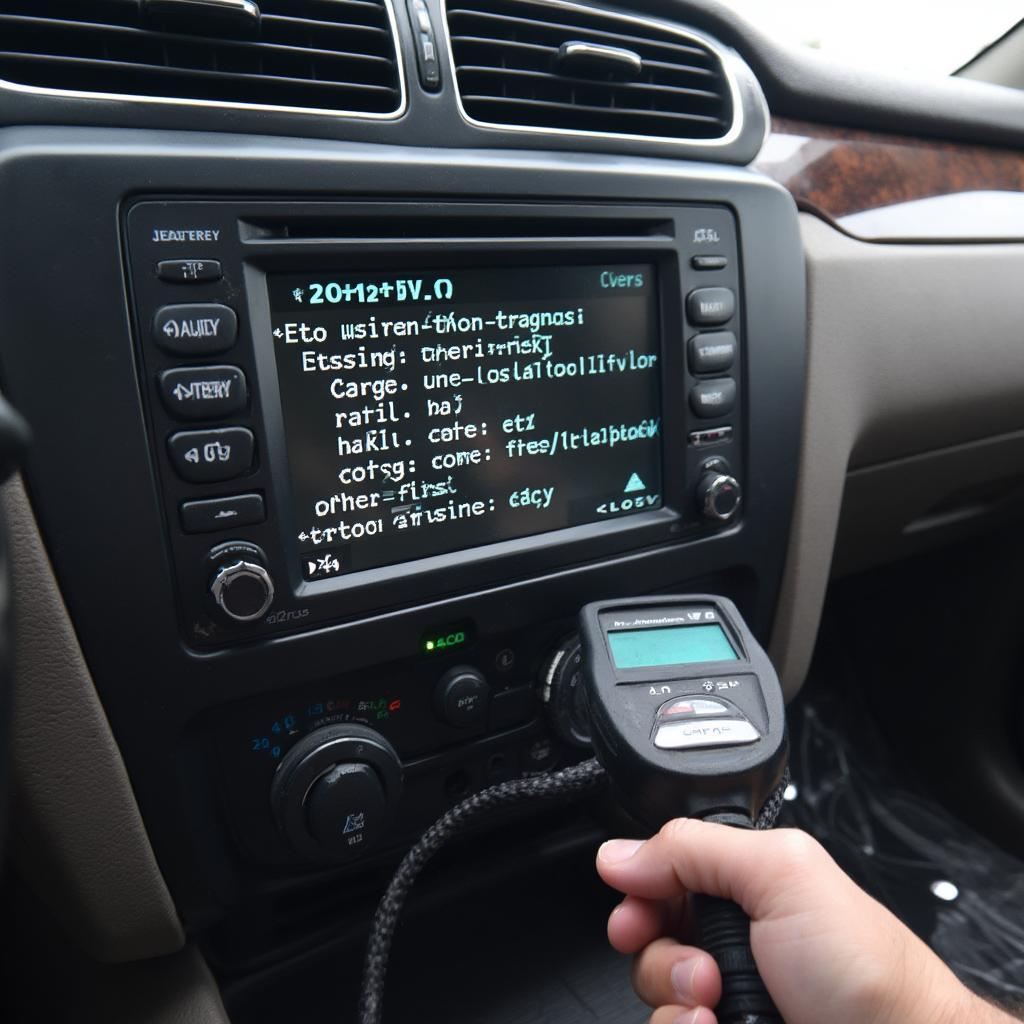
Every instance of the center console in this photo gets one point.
(360, 435)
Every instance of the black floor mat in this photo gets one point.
(533, 952)
(959, 892)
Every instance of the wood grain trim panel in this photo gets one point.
(884, 187)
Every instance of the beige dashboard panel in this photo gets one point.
(76, 834)
(911, 349)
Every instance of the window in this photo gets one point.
(919, 37)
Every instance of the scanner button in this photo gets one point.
(707, 732)
(694, 708)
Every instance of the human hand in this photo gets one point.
(824, 948)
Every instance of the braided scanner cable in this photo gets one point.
(571, 783)
(773, 806)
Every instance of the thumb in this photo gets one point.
(689, 855)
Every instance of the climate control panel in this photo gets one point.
(337, 770)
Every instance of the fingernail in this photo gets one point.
(689, 1018)
(615, 851)
(682, 975)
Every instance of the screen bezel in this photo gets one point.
(530, 556)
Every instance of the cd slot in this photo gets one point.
(476, 225)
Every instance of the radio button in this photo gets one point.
(204, 392)
(709, 307)
(196, 329)
(223, 513)
(208, 456)
(189, 271)
(713, 398)
(709, 262)
(717, 435)
(713, 352)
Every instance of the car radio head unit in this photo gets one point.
(351, 413)
(436, 410)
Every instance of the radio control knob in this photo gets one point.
(242, 589)
(719, 497)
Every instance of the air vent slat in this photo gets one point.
(70, 39)
(247, 81)
(372, 32)
(508, 27)
(518, 77)
(331, 55)
(510, 72)
(100, 12)
(595, 112)
(346, 12)
(497, 53)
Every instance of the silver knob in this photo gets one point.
(719, 497)
(243, 590)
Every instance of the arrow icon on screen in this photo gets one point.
(635, 484)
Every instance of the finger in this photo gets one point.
(697, 856)
(635, 922)
(667, 973)
(683, 1015)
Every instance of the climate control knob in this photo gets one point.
(563, 694)
(461, 698)
(333, 792)
(719, 497)
(241, 587)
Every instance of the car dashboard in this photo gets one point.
(363, 342)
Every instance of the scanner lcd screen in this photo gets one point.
(675, 645)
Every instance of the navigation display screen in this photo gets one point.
(431, 411)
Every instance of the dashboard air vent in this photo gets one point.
(552, 64)
(336, 56)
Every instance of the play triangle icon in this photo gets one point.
(635, 484)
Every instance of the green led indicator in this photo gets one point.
(450, 638)
(446, 642)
